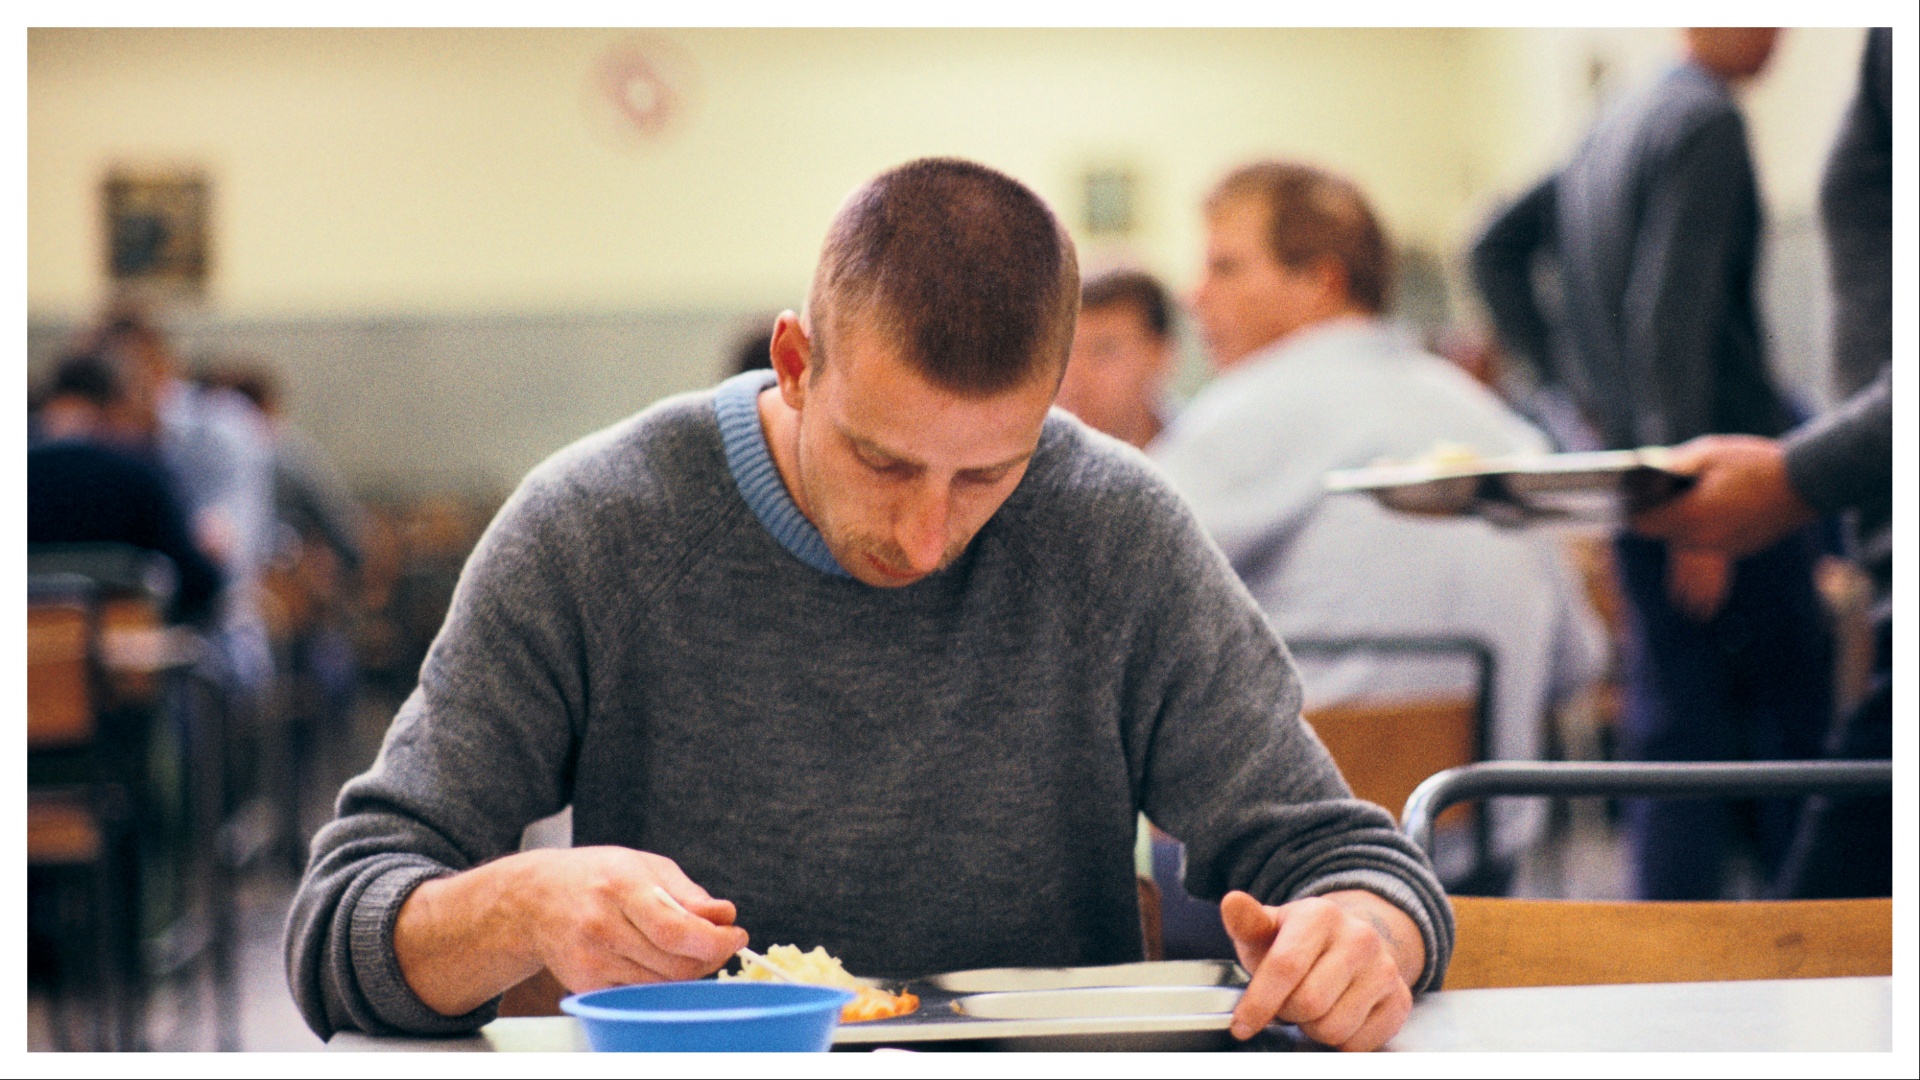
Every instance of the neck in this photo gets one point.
(781, 426)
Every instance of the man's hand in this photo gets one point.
(1742, 501)
(589, 915)
(1340, 966)
(1697, 581)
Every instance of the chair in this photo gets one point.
(1386, 748)
(80, 848)
(125, 765)
(1505, 942)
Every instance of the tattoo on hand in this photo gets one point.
(1373, 919)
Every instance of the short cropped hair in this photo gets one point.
(1136, 289)
(1315, 214)
(962, 268)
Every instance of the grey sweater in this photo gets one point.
(931, 778)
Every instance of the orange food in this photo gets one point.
(876, 1004)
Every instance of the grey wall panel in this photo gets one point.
(465, 403)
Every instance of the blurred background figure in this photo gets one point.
(310, 498)
(317, 547)
(1311, 379)
(87, 485)
(212, 445)
(1123, 351)
(1753, 491)
(1652, 230)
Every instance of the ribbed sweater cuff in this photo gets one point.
(377, 968)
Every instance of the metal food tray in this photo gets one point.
(1154, 1005)
(1603, 487)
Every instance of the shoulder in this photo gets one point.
(653, 465)
(1677, 113)
(1094, 499)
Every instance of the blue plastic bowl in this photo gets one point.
(710, 1015)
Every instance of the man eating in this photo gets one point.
(868, 651)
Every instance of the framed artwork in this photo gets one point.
(157, 231)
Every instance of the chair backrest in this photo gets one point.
(60, 709)
(1651, 779)
(1502, 942)
(1386, 749)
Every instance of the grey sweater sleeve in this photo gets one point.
(483, 747)
(1844, 459)
(1227, 765)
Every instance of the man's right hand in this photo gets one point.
(589, 915)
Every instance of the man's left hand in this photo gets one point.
(1340, 966)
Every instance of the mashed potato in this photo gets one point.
(821, 969)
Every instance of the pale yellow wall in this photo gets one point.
(460, 170)
(463, 170)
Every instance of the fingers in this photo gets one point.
(1383, 1023)
(613, 916)
(1251, 926)
(1324, 969)
(680, 928)
(1291, 952)
(1353, 988)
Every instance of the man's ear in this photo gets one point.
(792, 355)
(1330, 278)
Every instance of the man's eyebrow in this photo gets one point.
(871, 447)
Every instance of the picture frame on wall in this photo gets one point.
(157, 232)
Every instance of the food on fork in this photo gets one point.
(821, 969)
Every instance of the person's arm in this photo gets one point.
(1695, 233)
(1503, 266)
(1749, 492)
(415, 910)
(1346, 919)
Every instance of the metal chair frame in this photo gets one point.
(1671, 780)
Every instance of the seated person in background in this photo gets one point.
(867, 652)
(84, 486)
(212, 446)
(309, 495)
(1122, 353)
(1311, 379)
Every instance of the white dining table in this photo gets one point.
(1778, 1014)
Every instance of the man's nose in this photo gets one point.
(922, 528)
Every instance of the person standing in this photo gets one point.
(1752, 491)
(1653, 227)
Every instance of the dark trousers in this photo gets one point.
(1754, 683)
(1844, 847)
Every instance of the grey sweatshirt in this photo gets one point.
(931, 778)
